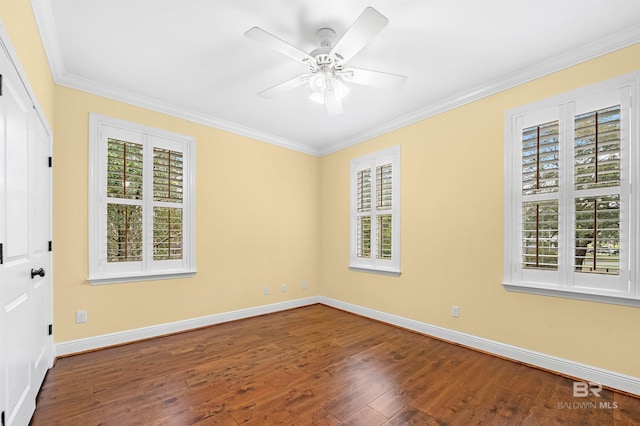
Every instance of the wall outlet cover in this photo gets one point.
(81, 316)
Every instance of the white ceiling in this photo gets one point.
(190, 58)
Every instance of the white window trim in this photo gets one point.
(562, 106)
(148, 270)
(372, 264)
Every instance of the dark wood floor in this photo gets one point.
(312, 366)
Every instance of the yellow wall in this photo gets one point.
(17, 18)
(257, 212)
(452, 234)
(267, 215)
(257, 223)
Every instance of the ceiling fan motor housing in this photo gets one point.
(322, 55)
(326, 36)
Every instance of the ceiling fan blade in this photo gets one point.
(286, 86)
(368, 24)
(331, 101)
(372, 78)
(261, 36)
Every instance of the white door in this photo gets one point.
(25, 278)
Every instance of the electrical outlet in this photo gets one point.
(304, 285)
(266, 290)
(284, 288)
(81, 316)
(455, 311)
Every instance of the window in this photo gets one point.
(571, 217)
(141, 202)
(375, 212)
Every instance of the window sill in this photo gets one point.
(616, 299)
(132, 278)
(372, 270)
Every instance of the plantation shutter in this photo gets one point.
(375, 218)
(540, 185)
(363, 202)
(597, 190)
(572, 226)
(167, 210)
(540, 160)
(384, 201)
(141, 202)
(124, 201)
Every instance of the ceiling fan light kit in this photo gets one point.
(326, 64)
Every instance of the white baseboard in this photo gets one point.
(563, 366)
(106, 340)
(566, 367)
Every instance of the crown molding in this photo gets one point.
(43, 15)
(149, 103)
(51, 42)
(44, 19)
(611, 43)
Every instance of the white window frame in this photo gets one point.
(374, 264)
(565, 282)
(102, 272)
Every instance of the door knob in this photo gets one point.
(35, 272)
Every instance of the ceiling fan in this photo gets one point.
(327, 71)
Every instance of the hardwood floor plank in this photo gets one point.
(344, 406)
(316, 417)
(311, 366)
(420, 383)
(627, 411)
(366, 416)
(410, 415)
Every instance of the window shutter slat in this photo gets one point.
(364, 190)
(385, 236)
(597, 149)
(597, 234)
(364, 236)
(167, 233)
(384, 186)
(167, 175)
(124, 169)
(540, 235)
(124, 233)
(540, 158)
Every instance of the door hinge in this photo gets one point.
(1, 95)
(2, 418)
(50, 161)
(1, 253)
(50, 329)
(50, 245)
